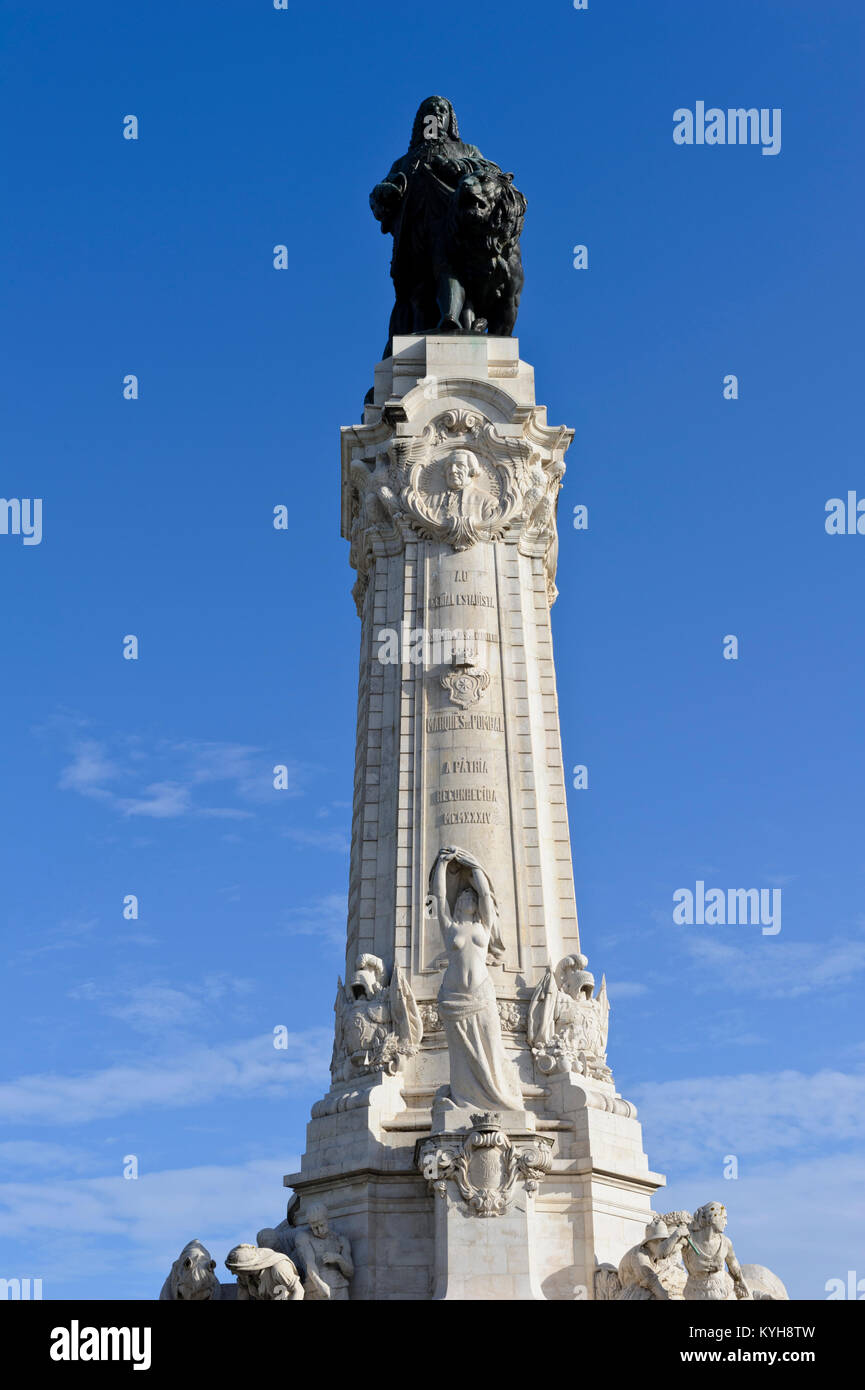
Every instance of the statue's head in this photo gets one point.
(368, 977)
(268, 1239)
(713, 1214)
(192, 1277)
(486, 212)
(656, 1231)
(444, 121)
(460, 467)
(575, 979)
(243, 1259)
(466, 906)
(477, 194)
(316, 1217)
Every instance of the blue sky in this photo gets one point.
(706, 517)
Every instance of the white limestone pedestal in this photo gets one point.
(449, 496)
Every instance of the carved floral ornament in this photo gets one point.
(512, 1016)
(459, 480)
(485, 1165)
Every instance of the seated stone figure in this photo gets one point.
(325, 1256)
(651, 1270)
(264, 1275)
(279, 1238)
(685, 1256)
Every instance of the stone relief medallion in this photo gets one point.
(459, 481)
(466, 685)
(485, 1165)
(457, 497)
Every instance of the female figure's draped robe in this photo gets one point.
(481, 1076)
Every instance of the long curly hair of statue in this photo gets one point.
(417, 130)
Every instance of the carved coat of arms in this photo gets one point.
(485, 1165)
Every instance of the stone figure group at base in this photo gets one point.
(688, 1258)
(264, 1275)
(285, 1265)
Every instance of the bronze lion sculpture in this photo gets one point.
(484, 223)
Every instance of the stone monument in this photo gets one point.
(472, 1144)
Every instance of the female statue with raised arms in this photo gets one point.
(481, 1077)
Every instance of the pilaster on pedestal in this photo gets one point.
(484, 1179)
(598, 1195)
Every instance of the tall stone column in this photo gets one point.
(449, 493)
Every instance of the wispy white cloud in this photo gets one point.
(320, 839)
(188, 1076)
(755, 1114)
(792, 1206)
(325, 917)
(626, 989)
(155, 1007)
(69, 935)
(775, 967)
(34, 1155)
(161, 800)
(79, 1233)
(167, 779)
(89, 770)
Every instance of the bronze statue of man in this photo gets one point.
(434, 200)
